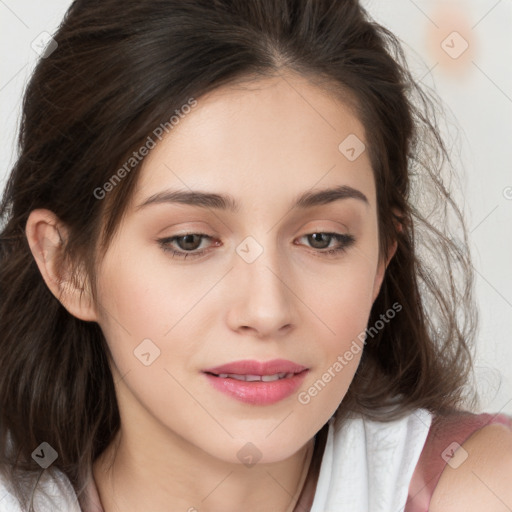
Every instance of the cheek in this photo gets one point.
(343, 298)
(142, 294)
(344, 303)
(345, 317)
(146, 304)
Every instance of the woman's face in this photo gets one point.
(255, 282)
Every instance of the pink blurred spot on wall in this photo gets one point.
(454, 44)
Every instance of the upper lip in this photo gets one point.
(248, 367)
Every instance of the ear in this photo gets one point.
(46, 236)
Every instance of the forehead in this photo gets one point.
(261, 140)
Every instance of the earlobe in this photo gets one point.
(46, 236)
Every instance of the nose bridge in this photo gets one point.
(258, 262)
(264, 301)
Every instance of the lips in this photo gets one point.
(255, 370)
(257, 383)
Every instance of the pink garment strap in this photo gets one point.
(456, 427)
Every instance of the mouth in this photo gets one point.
(257, 383)
(255, 378)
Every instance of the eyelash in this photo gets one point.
(345, 242)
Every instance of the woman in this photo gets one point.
(217, 292)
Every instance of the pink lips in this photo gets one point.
(257, 392)
(247, 367)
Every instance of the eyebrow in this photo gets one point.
(227, 202)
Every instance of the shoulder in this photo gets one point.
(480, 475)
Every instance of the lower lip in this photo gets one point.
(258, 392)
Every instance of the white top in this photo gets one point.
(366, 467)
(60, 496)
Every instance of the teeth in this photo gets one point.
(254, 378)
(270, 378)
(248, 378)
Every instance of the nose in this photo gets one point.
(263, 300)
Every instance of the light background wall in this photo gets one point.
(476, 87)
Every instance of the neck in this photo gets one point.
(190, 480)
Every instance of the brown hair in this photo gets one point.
(121, 68)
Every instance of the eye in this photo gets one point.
(186, 243)
(321, 240)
